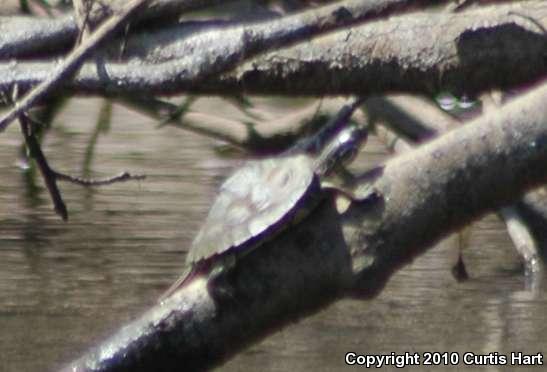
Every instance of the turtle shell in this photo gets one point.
(259, 198)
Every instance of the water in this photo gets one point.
(66, 286)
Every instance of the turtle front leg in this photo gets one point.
(349, 188)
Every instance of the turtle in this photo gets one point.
(264, 196)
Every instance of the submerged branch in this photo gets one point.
(259, 132)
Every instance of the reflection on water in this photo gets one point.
(65, 286)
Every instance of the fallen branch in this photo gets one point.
(263, 135)
(46, 37)
(423, 195)
(418, 120)
(384, 56)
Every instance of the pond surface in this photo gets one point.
(66, 286)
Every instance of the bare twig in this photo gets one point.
(49, 175)
(460, 5)
(177, 112)
(71, 64)
(88, 182)
(82, 10)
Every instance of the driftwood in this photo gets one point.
(422, 195)
(382, 56)
(418, 120)
(32, 37)
(246, 40)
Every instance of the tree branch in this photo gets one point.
(421, 196)
(48, 174)
(419, 120)
(259, 135)
(22, 36)
(51, 176)
(383, 56)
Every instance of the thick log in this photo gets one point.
(420, 196)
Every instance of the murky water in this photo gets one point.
(66, 286)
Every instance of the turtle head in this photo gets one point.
(341, 149)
